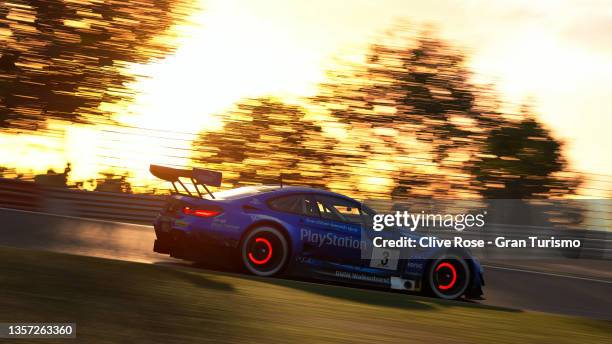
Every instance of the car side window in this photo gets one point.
(338, 209)
(288, 204)
(310, 207)
(295, 204)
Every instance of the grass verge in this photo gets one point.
(124, 302)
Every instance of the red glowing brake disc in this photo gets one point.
(267, 258)
(453, 280)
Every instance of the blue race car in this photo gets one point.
(302, 232)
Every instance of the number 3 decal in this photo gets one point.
(385, 259)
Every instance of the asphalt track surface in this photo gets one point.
(566, 286)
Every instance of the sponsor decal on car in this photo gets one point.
(362, 277)
(332, 224)
(331, 239)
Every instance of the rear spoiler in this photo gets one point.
(197, 176)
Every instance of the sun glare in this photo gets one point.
(230, 50)
(225, 54)
(229, 55)
(232, 55)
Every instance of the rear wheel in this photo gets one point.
(264, 251)
(448, 277)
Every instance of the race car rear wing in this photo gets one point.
(197, 176)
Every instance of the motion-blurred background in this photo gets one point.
(385, 99)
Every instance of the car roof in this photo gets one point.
(272, 190)
(288, 189)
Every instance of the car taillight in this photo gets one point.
(200, 212)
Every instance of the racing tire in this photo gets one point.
(264, 251)
(448, 277)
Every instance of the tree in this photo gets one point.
(262, 139)
(521, 160)
(441, 124)
(419, 90)
(62, 59)
(423, 84)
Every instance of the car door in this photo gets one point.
(332, 230)
(386, 260)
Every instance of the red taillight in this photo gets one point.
(200, 212)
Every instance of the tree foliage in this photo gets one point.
(410, 114)
(264, 138)
(61, 59)
(521, 160)
(405, 122)
(419, 85)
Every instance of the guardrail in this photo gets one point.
(26, 195)
(142, 209)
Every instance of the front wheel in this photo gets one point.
(448, 277)
(264, 251)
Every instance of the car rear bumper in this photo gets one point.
(201, 248)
